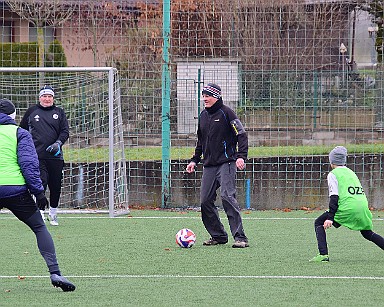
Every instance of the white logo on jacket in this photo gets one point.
(37, 118)
(55, 116)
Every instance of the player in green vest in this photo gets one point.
(348, 205)
(19, 180)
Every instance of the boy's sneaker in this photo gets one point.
(320, 258)
(42, 215)
(61, 282)
(53, 220)
(240, 244)
(212, 241)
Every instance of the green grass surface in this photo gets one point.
(155, 153)
(134, 261)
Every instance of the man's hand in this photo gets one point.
(240, 163)
(55, 148)
(328, 224)
(191, 167)
(41, 201)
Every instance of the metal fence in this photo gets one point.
(298, 73)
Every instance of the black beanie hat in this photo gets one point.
(212, 89)
(7, 107)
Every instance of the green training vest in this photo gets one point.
(10, 172)
(353, 211)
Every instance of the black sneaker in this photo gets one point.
(212, 241)
(61, 282)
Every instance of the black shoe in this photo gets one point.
(63, 283)
(212, 241)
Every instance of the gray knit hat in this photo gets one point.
(338, 155)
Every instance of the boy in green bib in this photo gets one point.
(348, 205)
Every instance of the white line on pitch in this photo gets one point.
(6, 216)
(206, 277)
(168, 217)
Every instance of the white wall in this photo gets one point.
(365, 53)
(223, 72)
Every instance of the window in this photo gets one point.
(49, 34)
(6, 31)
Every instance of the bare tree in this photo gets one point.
(264, 34)
(41, 14)
(98, 22)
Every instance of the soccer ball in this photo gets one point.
(185, 238)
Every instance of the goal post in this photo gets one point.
(95, 171)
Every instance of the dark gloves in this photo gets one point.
(41, 201)
(55, 148)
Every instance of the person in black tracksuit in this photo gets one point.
(223, 143)
(48, 125)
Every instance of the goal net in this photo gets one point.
(95, 177)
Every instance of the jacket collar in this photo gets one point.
(46, 108)
(6, 120)
(218, 104)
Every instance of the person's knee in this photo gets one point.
(208, 200)
(226, 198)
(321, 219)
(35, 222)
(319, 222)
(367, 234)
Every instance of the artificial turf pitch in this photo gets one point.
(133, 260)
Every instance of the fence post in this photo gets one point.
(166, 106)
(248, 193)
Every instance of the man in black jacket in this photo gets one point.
(48, 125)
(223, 143)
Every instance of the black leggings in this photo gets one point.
(24, 208)
(322, 237)
(51, 173)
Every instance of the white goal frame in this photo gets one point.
(122, 207)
